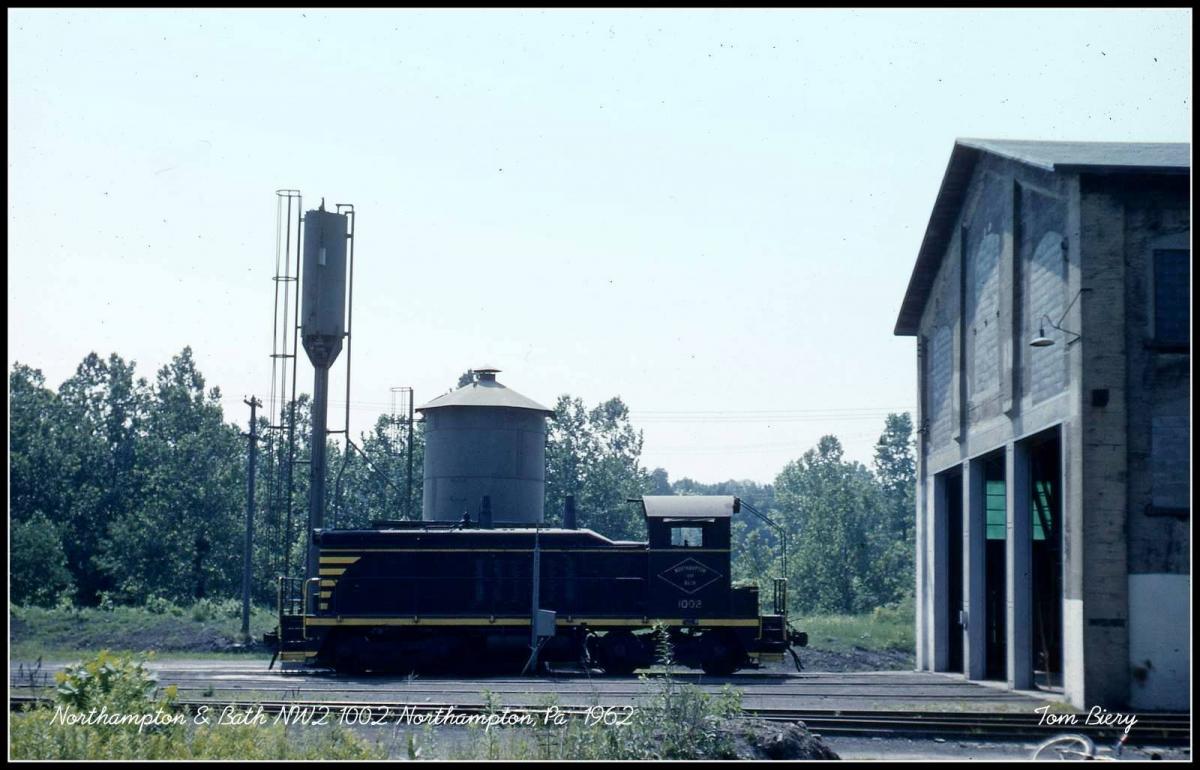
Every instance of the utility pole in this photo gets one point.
(537, 584)
(408, 498)
(252, 461)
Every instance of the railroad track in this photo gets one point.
(850, 692)
(1150, 729)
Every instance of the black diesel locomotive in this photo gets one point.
(437, 595)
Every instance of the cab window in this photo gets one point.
(687, 537)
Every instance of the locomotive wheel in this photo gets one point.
(620, 653)
(723, 653)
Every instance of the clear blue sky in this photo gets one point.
(712, 214)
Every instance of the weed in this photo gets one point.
(676, 721)
(111, 684)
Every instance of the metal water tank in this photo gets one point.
(485, 440)
(323, 290)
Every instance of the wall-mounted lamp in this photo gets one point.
(1042, 341)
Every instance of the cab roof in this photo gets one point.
(690, 506)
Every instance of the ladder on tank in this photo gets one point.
(282, 403)
(281, 406)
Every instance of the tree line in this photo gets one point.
(124, 489)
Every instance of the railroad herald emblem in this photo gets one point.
(689, 576)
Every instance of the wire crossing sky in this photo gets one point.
(712, 214)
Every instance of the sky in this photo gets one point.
(711, 214)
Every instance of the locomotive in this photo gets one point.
(448, 592)
(437, 595)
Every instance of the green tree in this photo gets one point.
(292, 535)
(374, 486)
(109, 409)
(182, 540)
(895, 467)
(272, 523)
(829, 507)
(761, 496)
(38, 463)
(757, 553)
(72, 456)
(660, 482)
(596, 455)
(38, 563)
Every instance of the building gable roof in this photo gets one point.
(1055, 157)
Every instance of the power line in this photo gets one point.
(743, 415)
(718, 448)
(828, 417)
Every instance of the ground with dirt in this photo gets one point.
(856, 659)
(763, 739)
(844, 660)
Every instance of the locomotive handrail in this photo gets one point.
(289, 604)
(308, 610)
(779, 597)
(782, 540)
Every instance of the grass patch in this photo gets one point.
(206, 628)
(31, 651)
(885, 629)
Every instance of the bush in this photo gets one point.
(158, 605)
(211, 609)
(121, 685)
(202, 610)
(903, 611)
(680, 721)
(117, 682)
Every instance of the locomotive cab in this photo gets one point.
(689, 555)
(690, 567)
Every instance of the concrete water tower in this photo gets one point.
(485, 440)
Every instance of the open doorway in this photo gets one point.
(955, 605)
(995, 558)
(1045, 470)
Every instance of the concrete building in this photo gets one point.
(1050, 301)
